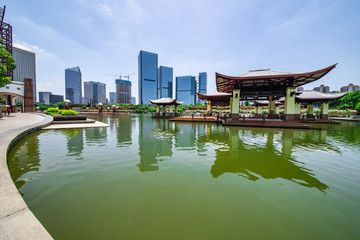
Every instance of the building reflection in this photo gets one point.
(75, 141)
(155, 142)
(27, 159)
(96, 136)
(265, 154)
(123, 126)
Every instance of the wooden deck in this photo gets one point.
(196, 119)
(267, 123)
(322, 121)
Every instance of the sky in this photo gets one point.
(104, 38)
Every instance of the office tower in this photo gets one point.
(112, 96)
(123, 91)
(148, 86)
(73, 84)
(202, 85)
(350, 88)
(186, 89)
(165, 82)
(95, 92)
(44, 97)
(322, 88)
(56, 98)
(25, 66)
(133, 100)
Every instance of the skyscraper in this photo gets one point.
(148, 76)
(44, 97)
(95, 92)
(165, 82)
(112, 96)
(123, 91)
(73, 84)
(202, 85)
(56, 98)
(186, 89)
(25, 66)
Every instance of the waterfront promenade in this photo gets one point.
(16, 219)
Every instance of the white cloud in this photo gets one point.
(32, 48)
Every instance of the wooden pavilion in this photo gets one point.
(267, 84)
(215, 98)
(161, 107)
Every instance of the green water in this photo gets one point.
(153, 179)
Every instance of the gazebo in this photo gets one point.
(259, 104)
(310, 97)
(215, 98)
(267, 84)
(166, 102)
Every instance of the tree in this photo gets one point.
(7, 63)
(350, 100)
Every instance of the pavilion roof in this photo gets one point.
(318, 96)
(214, 95)
(267, 82)
(166, 101)
(265, 102)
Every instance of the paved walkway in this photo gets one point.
(16, 219)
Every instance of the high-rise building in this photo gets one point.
(123, 91)
(202, 85)
(94, 92)
(44, 97)
(133, 100)
(148, 76)
(25, 66)
(350, 88)
(112, 96)
(165, 82)
(73, 84)
(186, 89)
(322, 88)
(56, 98)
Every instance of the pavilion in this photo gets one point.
(262, 103)
(310, 97)
(162, 113)
(267, 84)
(215, 98)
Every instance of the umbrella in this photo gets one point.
(7, 106)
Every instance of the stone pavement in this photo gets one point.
(16, 219)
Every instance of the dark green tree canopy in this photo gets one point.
(7, 63)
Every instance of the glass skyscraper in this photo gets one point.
(202, 85)
(165, 82)
(186, 90)
(112, 97)
(123, 91)
(73, 84)
(148, 76)
(95, 92)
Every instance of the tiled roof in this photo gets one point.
(315, 95)
(166, 101)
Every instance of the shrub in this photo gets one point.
(52, 110)
(317, 111)
(69, 112)
(333, 111)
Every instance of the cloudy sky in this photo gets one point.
(226, 36)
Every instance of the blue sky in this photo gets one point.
(192, 36)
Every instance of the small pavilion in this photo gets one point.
(161, 107)
(310, 97)
(215, 98)
(267, 84)
(259, 104)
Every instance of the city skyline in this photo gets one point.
(296, 36)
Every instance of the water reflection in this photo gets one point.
(75, 141)
(20, 165)
(264, 154)
(96, 136)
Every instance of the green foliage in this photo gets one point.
(2, 101)
(350, 100)
(333, 111)
(265, 112)
(68, 112)
(7, 63)
(52, 110)
(357, 107)
(316, 110)
(252, 111)
(200, 105)
(347, 112)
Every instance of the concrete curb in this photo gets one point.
(16, 219)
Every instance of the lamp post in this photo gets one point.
(67, 104)
(100, 105)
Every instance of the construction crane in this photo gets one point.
(121, 76)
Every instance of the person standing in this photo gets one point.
(8, 110)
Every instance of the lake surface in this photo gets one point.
(143, 178)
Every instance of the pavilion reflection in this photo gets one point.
(267, 154)
(155, 142)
